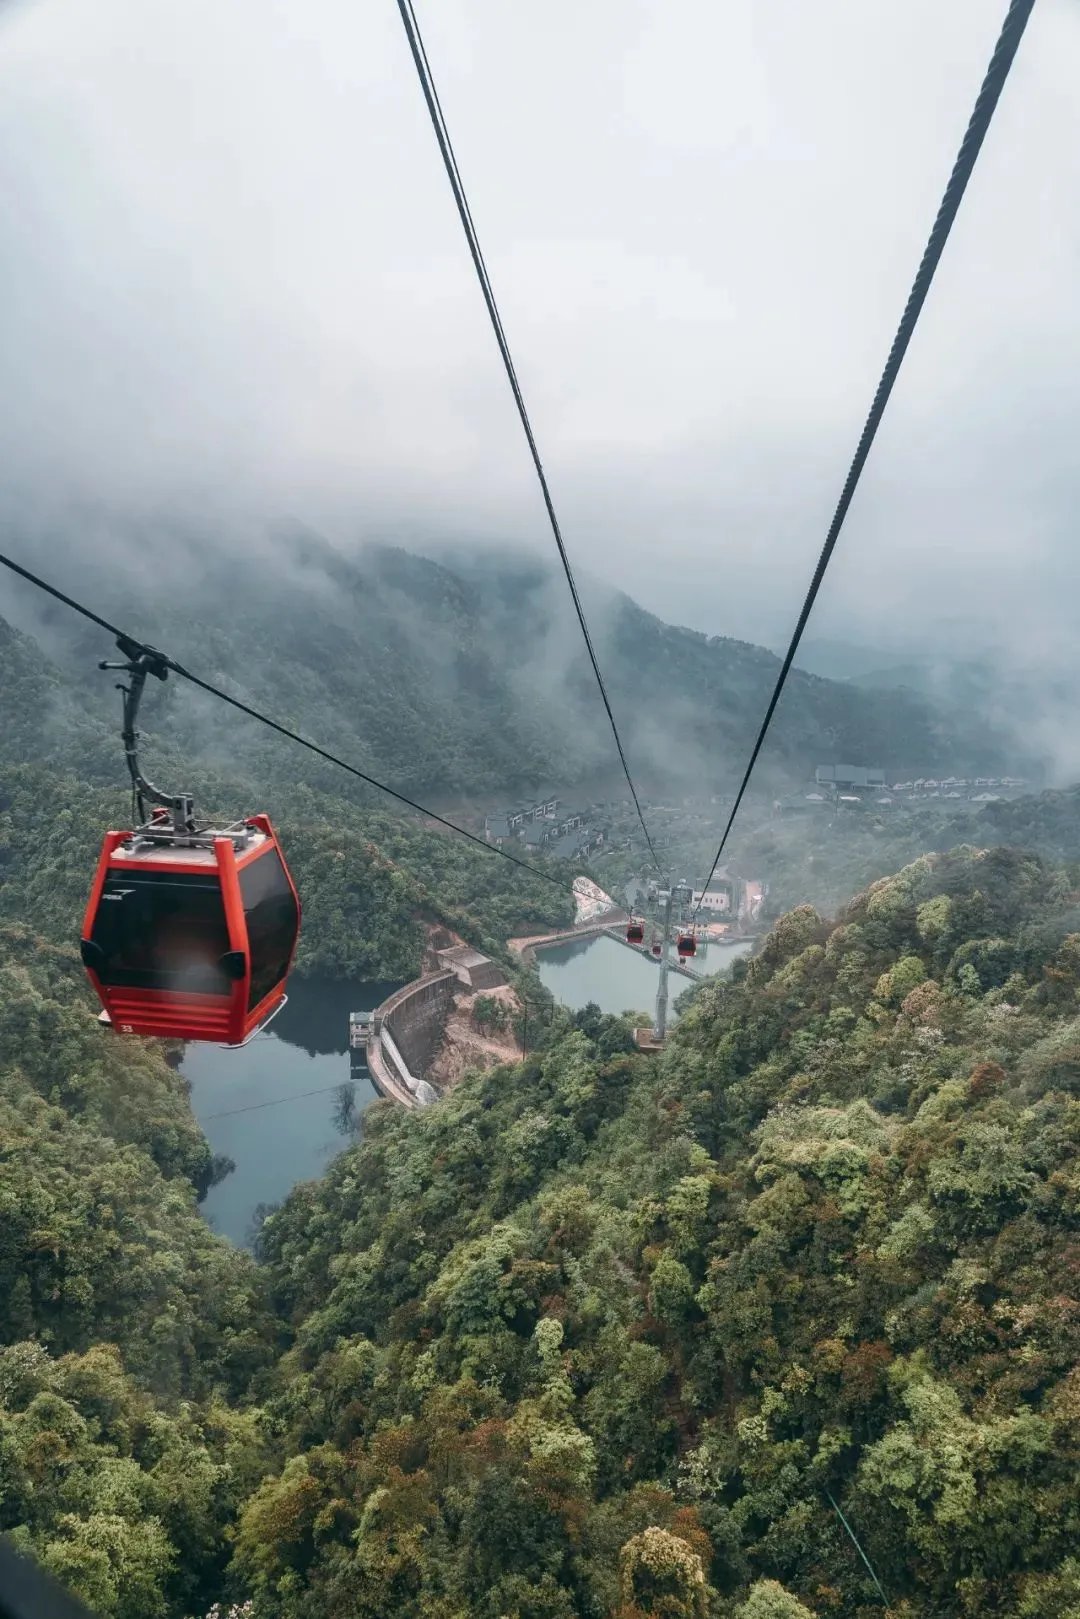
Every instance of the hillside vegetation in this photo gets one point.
(368, 881)
(822, 858)
(601, 1335)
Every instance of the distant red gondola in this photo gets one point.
(189, 931)
(635, 932)
(656, 949)
(686, 945)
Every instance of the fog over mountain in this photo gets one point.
(458, 684)
(234, 296)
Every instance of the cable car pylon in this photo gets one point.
(676, 894)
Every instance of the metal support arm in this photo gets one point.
(140, 662)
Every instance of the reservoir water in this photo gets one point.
(619, 979)
(284, 1105)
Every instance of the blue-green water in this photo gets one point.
(617, 978)
(256, 1106)
(282, 1107)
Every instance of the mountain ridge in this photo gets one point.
(471, 681)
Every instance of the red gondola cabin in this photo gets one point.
(191, 939)
(635, 932)
(656, 949)
(686, 945)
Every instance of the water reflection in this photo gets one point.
(619, 979)
(284, 1105)
(345, 1116)
(316, 1015)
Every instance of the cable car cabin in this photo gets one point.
(656, 949)
(635, 933)
(686, 945)
(191, 937)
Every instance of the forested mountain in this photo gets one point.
(601, 1335)
(369, 877)
(465, 678)
(607, 1336)
(822, 859)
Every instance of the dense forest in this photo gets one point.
(608, 1336)
(822, 858)
(782, 1323)
(601, 1334)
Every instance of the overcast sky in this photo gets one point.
(231, 274)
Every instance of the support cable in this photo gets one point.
(130, 641)
(994, 82)
(274, 1101)
(442, 135)
(855, 1542)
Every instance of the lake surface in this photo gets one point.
(256, 1104)
(282, 1107)
(619, 979)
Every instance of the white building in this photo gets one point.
(713, 899)
(729, 896)
(721, 896)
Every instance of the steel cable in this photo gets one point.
(442, 135)
(993, 83)
(274, 725)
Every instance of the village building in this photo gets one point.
(795, 803)
(538, 824)
(850, 779)
(729, 898)
(512, 823)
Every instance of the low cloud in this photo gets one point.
(233, 295)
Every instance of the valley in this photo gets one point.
(302, 1348)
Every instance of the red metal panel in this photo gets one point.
(225, 855)
(179, 1017)
(218, 1018)
(98, 884)
(262, 1011)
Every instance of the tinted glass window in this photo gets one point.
(162, 930)
(272, 922)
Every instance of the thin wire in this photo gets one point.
(994, 82)
(343, 764)
(275, 725)
(858, 1548)
(68, 601)
(276, 1101)
(442, 135)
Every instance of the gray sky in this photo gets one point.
(231, 274)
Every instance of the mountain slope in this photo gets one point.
(367, 880)
(470, 680)
(599, 1336)
(602, 1336)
